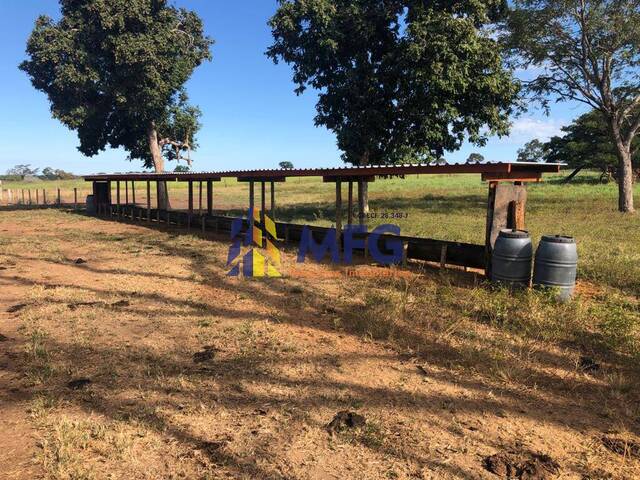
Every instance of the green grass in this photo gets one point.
(451, 207)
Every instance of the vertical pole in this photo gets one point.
(126, 192)
(75, 199)
(22, 196)
(109, 198)
(118, 198)
(350, 202)
(29, 192)
(251, 207)
(190, 204)
(273, 201)
(44, 196)
(59, 198)
(361, 218)
(37, 197)
(133, 192)
(263, 202)
(338, 213)
(148, 201)
(200, 198)
(209, 197)
(158, 203)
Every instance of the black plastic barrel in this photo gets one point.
(556, 264)
(91, 205)
(511, 258)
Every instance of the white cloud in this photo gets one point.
(527, 128)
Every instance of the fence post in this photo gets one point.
(59, 198)
(22, 191)
(29, 192)
(44, 196)
(75, 199)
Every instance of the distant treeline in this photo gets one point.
(26, 173)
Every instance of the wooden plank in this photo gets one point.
(273, 201)
(148, 201)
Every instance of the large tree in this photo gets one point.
(587, 143)
(398, 79)
(587, 51)
(532, 151)
(114, 71)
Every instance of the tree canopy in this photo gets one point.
(587, 143)
(400, 78)
(114, 71)
(589, 52)
(532, 151)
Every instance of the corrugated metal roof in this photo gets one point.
(347, 171)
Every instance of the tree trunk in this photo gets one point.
(625, 168)
(158, 165)
(625, 180)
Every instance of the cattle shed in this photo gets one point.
(506, 202)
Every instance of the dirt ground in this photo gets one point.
(127, 352)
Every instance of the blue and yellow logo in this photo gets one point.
(261, 258)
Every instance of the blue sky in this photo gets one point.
(251, 116)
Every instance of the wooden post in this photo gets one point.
(338, 212)
(361, 217)
(263, 204)
(209, 197)
(75, 199)
(273, 201)
(22, 192)
(29, 192)
(158, 203)
(506, 205)
(200, 198)
(350, 202)
(251, 207)
(59, 198)
(190, 204)
(126, 192)
(37, 197)
(133, 192)
(44, 196)
(148, 201)
(118, 198)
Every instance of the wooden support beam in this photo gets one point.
(126, 193)
(22, 191)
(209, 197)
(118, 198)
(518, 176)
(59, 198)
(273, 201)
(75, 198)
(190, 205)
(148, 201)
(251, 207)
(37, 197)
(506, 208)
(200, 198)
(361, 216)
(263, 204)
(350, 205)
(338, 213)
(133, 192)
(29, 192)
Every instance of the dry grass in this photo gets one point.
(446, 369)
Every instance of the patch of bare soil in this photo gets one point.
(149, 362)
(522, 466)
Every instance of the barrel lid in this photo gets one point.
(558, 239)
(512, 233)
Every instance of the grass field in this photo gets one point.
(196, 375)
